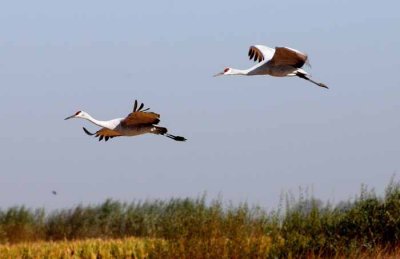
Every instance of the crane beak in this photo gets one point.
(70, 117)
(219, 74)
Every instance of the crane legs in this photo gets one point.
(301, 75)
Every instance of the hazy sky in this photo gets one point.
(249, 138)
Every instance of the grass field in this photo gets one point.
(158, 248)
(92, 248)
(302, 227)
(136, 248)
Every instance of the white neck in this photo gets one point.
(105, 124)
(235, 71)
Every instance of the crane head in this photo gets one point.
(227, 71)
(78, 114)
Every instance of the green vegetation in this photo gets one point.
(192, 228)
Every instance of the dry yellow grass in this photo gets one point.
(139, 248)
(159, 248)
(90, 248)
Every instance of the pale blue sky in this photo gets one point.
(249, 138)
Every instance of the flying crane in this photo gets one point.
(279, 61)
(139, 121)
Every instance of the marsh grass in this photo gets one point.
(90, 248)
(367, 226)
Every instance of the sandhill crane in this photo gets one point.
(280, 62)
(140, 121)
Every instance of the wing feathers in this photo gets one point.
(141, 106)
(258, 56)
(251, 54)
(260, 52)
(135, 106)
(103, 133)
(140, 117)
(87, 132)
(288, 56)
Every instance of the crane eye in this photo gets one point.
(226, 70)
(77, 113)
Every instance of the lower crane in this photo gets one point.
(139, 121)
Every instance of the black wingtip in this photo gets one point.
(87, 132)
(137, 107)
(141, 106)
(251, 54)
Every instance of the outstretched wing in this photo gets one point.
(140, 117)
(260, 53)
(288, 56)
(103, 133)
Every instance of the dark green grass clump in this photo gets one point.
(304, 227)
